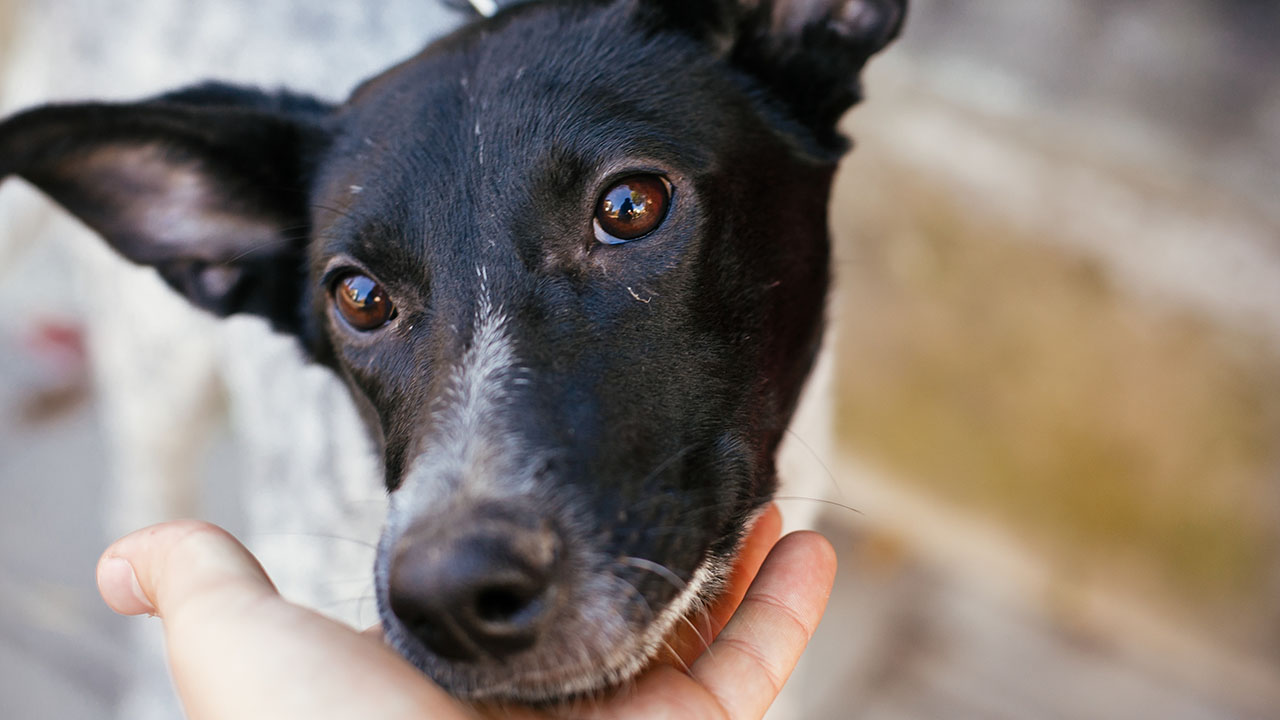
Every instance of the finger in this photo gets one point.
(237, 649)
(662, 691)
(166, 565)
(800, 566)
(764, 535)
(691, 639)
(755, 654)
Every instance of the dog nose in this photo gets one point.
(484, 590)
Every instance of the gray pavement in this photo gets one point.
(60, 647)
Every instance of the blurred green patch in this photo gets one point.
(1006, 374)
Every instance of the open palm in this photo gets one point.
(239, 650)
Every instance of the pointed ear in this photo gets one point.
(808, 54)
(209, 185)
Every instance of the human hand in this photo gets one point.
(239, 650)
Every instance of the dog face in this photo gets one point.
(570, 260)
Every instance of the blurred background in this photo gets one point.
(1054, 454)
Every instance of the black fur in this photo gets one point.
(660, 374)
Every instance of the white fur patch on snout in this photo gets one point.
(473, 451)
(476, 455)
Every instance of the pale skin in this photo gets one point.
(238, 650)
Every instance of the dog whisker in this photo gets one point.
(667, 463)
(333, 582)
(255, 247)
(658, 569)
(684, 666)
(632, 588)
(342, 602)
(704, 610)
(824, 501)
(704, 639)
(336, 211)
(665, 530)
(689, 504)
(831, 477)
(311, 536)
(688, 500)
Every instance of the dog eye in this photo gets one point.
(632, 208)
(362, 302)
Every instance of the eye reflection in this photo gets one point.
(362, 302)
(632, 208)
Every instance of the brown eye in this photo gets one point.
(362, 302)
(632, 208)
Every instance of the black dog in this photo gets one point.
(571, 261)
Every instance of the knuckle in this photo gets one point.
(776, 608)
(765, 670)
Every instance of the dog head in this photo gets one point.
(571, 261)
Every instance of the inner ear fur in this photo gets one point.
(209, 185)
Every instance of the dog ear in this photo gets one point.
(808, 54)
(209, 185)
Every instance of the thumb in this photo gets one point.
(239, 650)
(168, 565)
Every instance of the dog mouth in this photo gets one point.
(601, 628)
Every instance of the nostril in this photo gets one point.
(474, 591)
(511, 607)
(501, 605)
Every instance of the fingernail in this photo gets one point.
(119, 573)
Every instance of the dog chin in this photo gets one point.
(569, 666)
